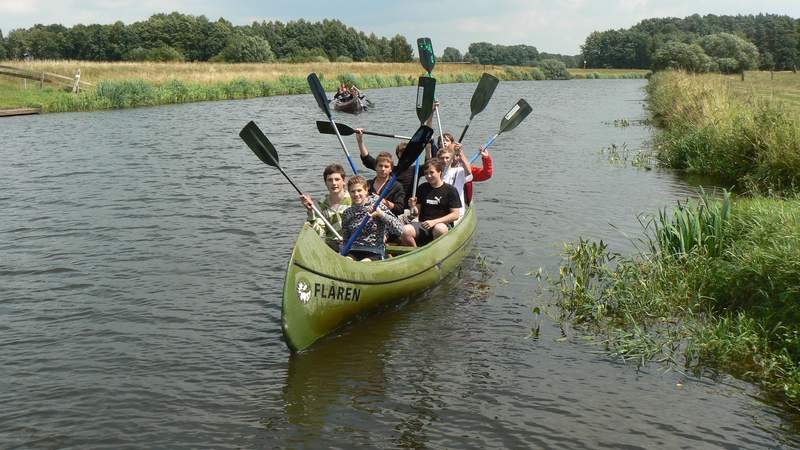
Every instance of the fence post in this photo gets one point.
(77, 86)
(41, 81)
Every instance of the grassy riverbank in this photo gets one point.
(746, 134)
(127, 84)
(716, 284)
(717, 288)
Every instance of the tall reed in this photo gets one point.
(718, 287)
(753, 143)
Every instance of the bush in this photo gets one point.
(554, 69)
(245, 49)
(677, 55)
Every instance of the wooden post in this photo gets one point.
(742, 74)
(77, 86)
(41, 81)
(771, 74)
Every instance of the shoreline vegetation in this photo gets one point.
(714, 286)
(135, 84)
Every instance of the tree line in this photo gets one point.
(699, 43)
(183, 37)
(505, 55)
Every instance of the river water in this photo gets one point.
(142, 255)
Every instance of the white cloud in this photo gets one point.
(19, 8)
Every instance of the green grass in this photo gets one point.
(126, 85)
(752, 142)
(717, 286)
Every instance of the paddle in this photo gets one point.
(426, 86)
(480, 98)
(410, 154)
(513, 117)
(428, 60)
(263, 148)
(326, 128)
(322, 101)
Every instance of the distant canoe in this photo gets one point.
(324, 291)
(352, 106)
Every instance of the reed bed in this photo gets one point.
(711, 128)
(715, 288)
(132, 84)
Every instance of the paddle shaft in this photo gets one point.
(344, 147)
(466, 127)
(488, 144)
(349, 244)
(313, 205)
(438, 122)
(416, 176)
(372, 133)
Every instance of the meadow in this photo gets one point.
(129, 84)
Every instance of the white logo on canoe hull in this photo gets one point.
(303, 292)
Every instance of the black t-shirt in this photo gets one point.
(436, 202)
(396, 195)
(406, 178)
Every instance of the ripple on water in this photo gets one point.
(141, 276)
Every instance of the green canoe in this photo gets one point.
(323, 290)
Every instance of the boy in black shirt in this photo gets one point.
(437, 204)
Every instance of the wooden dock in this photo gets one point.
(19, 112)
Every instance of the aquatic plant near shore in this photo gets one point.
(718, 287)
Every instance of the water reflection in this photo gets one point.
(158, 228)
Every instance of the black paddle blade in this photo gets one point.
(414, 148)
(426, 56)
(426, 87)
(319, 93)
(259, 144)
(515, 115)
(483, 93)
(326, 128)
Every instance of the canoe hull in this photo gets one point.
(323, 291)
(353, 106)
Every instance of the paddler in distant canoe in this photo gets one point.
(335, 203)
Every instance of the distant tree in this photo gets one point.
(481, 52)
(619, 49)
(677, 55)
(164, 53)
(571, 61)
(451, 54)
(401, 49)
(514, 55)
(217, 36)
(3, 53)
(244, 48)
(731, 53)
(554, 69)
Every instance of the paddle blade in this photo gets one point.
(259, 144)
(483, 93)
(426, 56)
(515, 115)
(426, 87)
(326, 128)
(414, 148)
(319, 93)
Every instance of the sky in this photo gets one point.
(551, 26)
